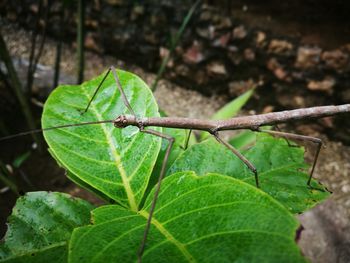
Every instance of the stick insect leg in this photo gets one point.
(156, 193)
(187, 140)
(119, 86)
(240, 156)
(288, 142)
(299, 137)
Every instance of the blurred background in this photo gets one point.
(196, 56)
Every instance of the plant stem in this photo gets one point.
(34, 60)
(3, 128)
(42, 43)
(16, 85)
(6, 181)
(59, 49)
(174, 43)
(30, 73)
(80, 40)
(57, 63)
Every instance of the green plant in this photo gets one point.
(208, 209)
(6, 172)
(81, 40)
(173, 43)
(18, 90)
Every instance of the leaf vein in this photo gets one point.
(182, 195)
(205, 208)
(118, 161)
(236, 232)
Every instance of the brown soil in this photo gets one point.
(323, 23)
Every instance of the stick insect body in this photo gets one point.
(253, 123)
(213, 127)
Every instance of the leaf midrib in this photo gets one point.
(181, 247)
(117, 159)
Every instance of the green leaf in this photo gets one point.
(279, 168)
(40, 225)
(245, 138)
(81, 183)
(115, 162)
(180, 138)
(230, 109)
(210, 218)
(20, 159)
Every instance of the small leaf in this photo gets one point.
(116, 162)
(211, 218)
(280, 169)
(230, 109)
(162, 113)
(40, 225)
(20, 159)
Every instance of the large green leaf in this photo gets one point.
(279, 168)
(40, 226)
(230, 109)
(211, 218)
(115, 162)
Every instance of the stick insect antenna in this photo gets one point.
(119, 86)
(53, 128)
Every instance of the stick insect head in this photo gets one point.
(121, 122)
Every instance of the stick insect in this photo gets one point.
(254, 123)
